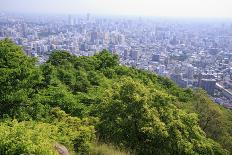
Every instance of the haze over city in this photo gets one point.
(173, 8)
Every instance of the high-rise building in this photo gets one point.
(106, 38)
(70, 20)
(93, 37)
(88, 17)
(177, 78)
(208, 85)
(204, 76)
(24, 29)
(134, 54)
(125, 54)
(156, 57)
(33, 53)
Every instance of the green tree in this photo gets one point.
(132, 116)
(32, 137)
(106, 59)
(58, 96)
(19, 77)
(58, 58)
(214, 120)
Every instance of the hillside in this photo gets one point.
(80, 101)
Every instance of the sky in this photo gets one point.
(175, 8)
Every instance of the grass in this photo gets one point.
(106, 149)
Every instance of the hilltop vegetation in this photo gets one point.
(80, 101)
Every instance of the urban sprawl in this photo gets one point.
(193, 53)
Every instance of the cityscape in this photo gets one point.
(193, 53)
(116, 77)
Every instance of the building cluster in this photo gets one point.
(193, 53)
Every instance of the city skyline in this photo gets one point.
(164, 8)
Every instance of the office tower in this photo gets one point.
(208, 85)
(93, 37)
(156, 57)
(88, 17)
(134, 54)
(70, 20)
(125, 54)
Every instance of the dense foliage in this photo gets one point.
(72, 100)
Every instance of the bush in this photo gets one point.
(31, 137)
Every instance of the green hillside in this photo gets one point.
(84, 102)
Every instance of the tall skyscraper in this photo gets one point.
(70, 20)
(88, 17)
(208, 85)
(134, 54)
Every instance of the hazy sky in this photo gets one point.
(185, 8)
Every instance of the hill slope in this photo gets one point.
(80, 99)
